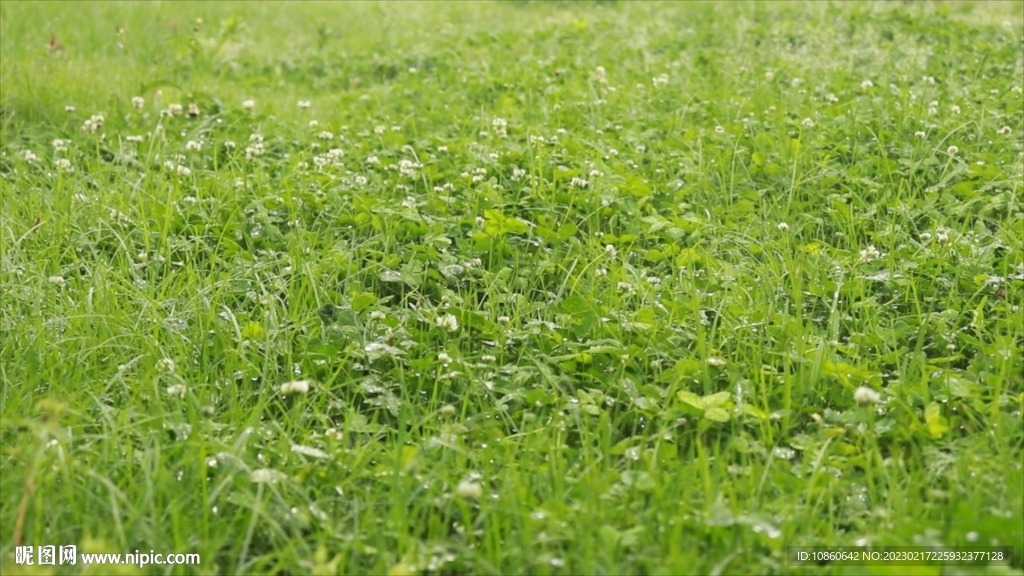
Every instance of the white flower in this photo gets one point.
(165, 365)
(716, 361)
(920, 134)
(928, 79)
(518, 174)
(720, 129)
(954, 109)
(624, 286)
(865, 395)
(249, 105)
(870, 254)
(64, 165)
(653, 280)
(442, 148)
(138, 102)
(60, 145)
(295, 387)
(230, 144)
(30, 157)
(600, 273)
(183, 170)
(372, 160)
(448, 321)
(500, 126)
(303, 104)
(444, 358)
(448, 411)
(469, 490)
(325, 135)
(952, 150)
(867, 84)
(832, 99)
(600, 73)
(378, 130)
(192, 145)
(193, 110)
(660, 80)
(314, 123)
(504, 319)
(133, 139)
(69, 108)
(1005, 131)
(579, 183)
(58, 280)
(177, 390)
(808, 123)
(610, 250)
(239, 183)
(174, 109)
(783, 226)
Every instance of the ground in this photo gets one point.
(547, 288)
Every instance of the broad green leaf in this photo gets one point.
(716, 414)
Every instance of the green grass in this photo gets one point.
(591, 287)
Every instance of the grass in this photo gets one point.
(588, 288)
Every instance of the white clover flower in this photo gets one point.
(360, 180)
(503, 319)
(408, 167)
(579, 183)
(30, 157)
(870, 254)
(60, 145)
(865, 395)
(600, 273)
(192, 145)
(469, 490)
(58, 280)
(69, 108)
(442, 148)
(783, 226)
(920, 134)
(304, 104)
(808, 123)
(138, 102)
(831, 98)
(867, 84)
(928, 79)
(248, 105)
(624, 287)
(610, 251)
(64, 165)
(133, 139)
(448, 322)
(1005, 131)
(183, 170)
(165, 366)
(325, 135)
(448, 411)
(952, 150)
(660, 80)
(239, 183)
(378, 130)
(295, 387)
(518, 174)
(176, 390)
(444, 358)
(716, 361)
(954, 109)
(193, 110)
(174, 109)
(720, 129)
(653, 280)
(230, 144)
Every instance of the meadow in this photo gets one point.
(510, 288)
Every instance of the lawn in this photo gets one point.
(515, 288)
